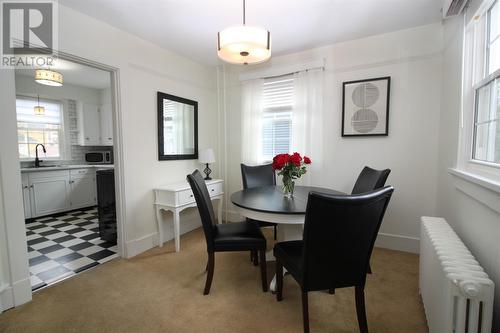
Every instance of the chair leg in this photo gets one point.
(251, 256)
(369, 271)
(210, 272)
(305, 312)
(275, 233)
(360, 309)
(255, 258)
(263, 269)
(279, 280)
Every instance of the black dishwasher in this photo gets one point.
(106, 204)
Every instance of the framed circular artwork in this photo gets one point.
(365, 107)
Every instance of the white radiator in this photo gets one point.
(456, 292)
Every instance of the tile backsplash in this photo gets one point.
(77, 152)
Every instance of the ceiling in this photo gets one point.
(76, 74)
(189, 27)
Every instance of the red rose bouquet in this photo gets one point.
(291, 167)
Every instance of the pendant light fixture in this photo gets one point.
(39, 110)
(48, 77)
(244, 44)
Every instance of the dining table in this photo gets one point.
(268, 203)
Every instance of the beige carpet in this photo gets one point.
(161, 291)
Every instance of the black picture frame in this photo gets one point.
(161, 155)
(386, 108)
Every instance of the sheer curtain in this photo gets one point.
(307, 122)
(251, 122)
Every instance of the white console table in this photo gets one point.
(178, 196)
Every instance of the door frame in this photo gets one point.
(15, 287)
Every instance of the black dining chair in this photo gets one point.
(370, 179)
(229, 237)
(256, 176)
(339, 235)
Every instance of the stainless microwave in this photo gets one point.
(98, 157)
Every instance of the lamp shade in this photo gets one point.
(244, 45)
(207, 156)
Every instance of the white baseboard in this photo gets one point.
(144, 243)
(398, 242)
(6, 298)
(141, 244)
(15, 295)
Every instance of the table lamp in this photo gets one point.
(207, 156)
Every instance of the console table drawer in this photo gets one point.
(184, 197)
(214, 189)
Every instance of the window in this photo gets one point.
(277, 106)
(486, 86)
(33, 129)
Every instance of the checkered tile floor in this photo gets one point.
(64, 245)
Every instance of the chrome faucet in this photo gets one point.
(37, 160)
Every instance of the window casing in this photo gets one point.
(277, 111)
(479, 151)
(44, 129)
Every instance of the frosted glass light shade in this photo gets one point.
(39, 110)
(244, 45)
(207, 156)
(48, 77)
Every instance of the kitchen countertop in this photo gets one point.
(68, 167)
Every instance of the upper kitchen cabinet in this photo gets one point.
(106, 115)
(95, 124)
(89, 124)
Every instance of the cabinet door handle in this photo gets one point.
(109, 138)
(87, 138)
(191, 196)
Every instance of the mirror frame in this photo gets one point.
(161, 155)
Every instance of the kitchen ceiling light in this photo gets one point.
(39, 110)
(243, 44)
(48, 77)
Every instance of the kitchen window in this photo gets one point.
(33, 129)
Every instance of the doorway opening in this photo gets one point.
(68, 157)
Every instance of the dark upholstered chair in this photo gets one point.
(339, 234)
(370, 179)
(256, 176)
(242, 236)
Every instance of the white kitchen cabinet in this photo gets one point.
(106, 116)
(82, 188)
(26, 195)
(55, 191)
(89, 124)
(49, 192)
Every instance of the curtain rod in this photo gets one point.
(281, 70)
(291, 73)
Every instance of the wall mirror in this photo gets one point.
(177, 128)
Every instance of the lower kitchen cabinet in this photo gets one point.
(48, 192)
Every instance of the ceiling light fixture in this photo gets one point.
(243, 44)
(48, 77)
(39, 110)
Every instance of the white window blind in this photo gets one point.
(277, 102)
(33, 129)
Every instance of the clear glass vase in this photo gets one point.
(288, 186)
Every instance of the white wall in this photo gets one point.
(144, 69)
(413, 60)
(476, 224)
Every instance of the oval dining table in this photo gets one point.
(268, 204)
